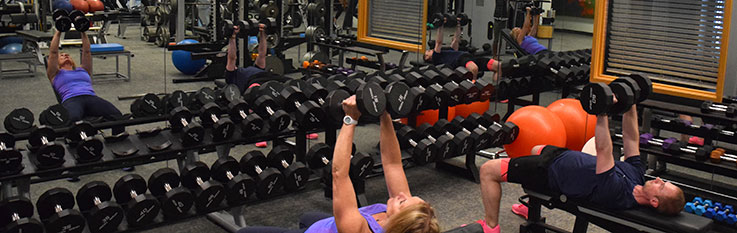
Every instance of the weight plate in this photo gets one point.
(57, 115)
(370, 99)
(596, 98)
(645, 84)
(272, 40)
(18, 120)
(312, 33)
(269, 10)
(631, 83)
(625, 98)
(274, 65)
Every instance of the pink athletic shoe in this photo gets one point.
(696, 140)
(488, 229)
(312, 136)
(520, 209)
(262, 144)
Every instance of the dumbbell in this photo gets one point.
(436, 21)
(266, 106)
(476, 125)
(95, 201)
(81, 23)
(597, 97)
(423, 151)
(308, 113)
(55, 208)
(181, 119)
(270, 24)
(711, 212)
(140, 207)
(175, 200)
(708, 106)
(723, 215)
(82, 137)
(268, 180)
(222, 127)
(11, 160)
(176, 99)
(403, 100)
(429, 96)
(295, 173)
(500, 133)
(691, 206)
(462, 19)
(370, 100)
(716, 156)
(319, 155)
(208, 193)
(62, 22)
(16, 215)
(554, 67)
(45, 153)
(239, 187)
(470, 92)
(445, 144)
(251, 124)
(465, 140)
(701, 209)
(701, 153)
(244, 26)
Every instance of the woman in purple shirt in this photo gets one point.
(402, 213)
(74, 85)
(525, 36)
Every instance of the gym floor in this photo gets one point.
(456, 200)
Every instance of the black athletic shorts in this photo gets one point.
(480, 61)
(532, 171)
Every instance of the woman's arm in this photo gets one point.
(52, 62)
(345, 207)
(535, 23)
(525, 27)
(230, 66)
(391, 158)
(86, 58)
(261, 59)
(439, 40)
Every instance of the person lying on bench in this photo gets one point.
(255, 74)
(402, 213)
(525, 36)
(454, 58)
(598, 179)
(74, 85)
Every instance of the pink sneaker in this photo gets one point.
(696, 140)
(312, 136)
(504, 101)
(520, 209)
(488, 229)
(262, 144)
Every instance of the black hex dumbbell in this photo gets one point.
(251, 124)
(307, 113)
(62, 22)
(478, 134)
(81, 136)
(44, 152)
(11, 160)
(81, 23)
(266, 106)
(423, 151)
(16, 215)
(455, 92)
(295, 173)
(176, 201)
(208, 193)
(222, 127)
(269, 179)
(501, 133)
(431, 96)
(370, 100)
(471, 92)
(140, 207)
(445, 144)
(464, 140)
(270, 24)
(401, 100)
(319, 155)
(95, 202)
(181, 120)
(239, 187)
(598, 98)
(55, 207)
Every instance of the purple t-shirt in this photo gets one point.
(531, 45)
(71, 83)
(328, 225)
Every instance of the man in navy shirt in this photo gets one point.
(599, 179)
(255, 74)
(454, 58)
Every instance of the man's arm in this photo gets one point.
(52, 63)
(535, 23)
(391, 158)
(261, 59)
(86, 58)
(456, 38)
(603, 141)
(630, 133)
(232, 51)
(345, 207)
(439, 40)
(525, 27)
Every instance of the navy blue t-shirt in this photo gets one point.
(573, 173)
(448, 57)
(244, 77)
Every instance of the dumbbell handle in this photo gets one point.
(713, 105)
(15, 217)
(184, 122)
(412, 142)
(96, 201)
(258, 169)
(449, 134)
(199, 181)
(214, 118)
(242, 113)
(229, 175)
(431, 138)
(269, 110)
(167, 187)
(3, 146)
(717, 108)
(297, 104)
(58, 208)
(44, 140)
(133, 194)
(284, 164)
(325, 160)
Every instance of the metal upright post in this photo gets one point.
(179, 36)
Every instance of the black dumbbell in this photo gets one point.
(422, 151)
(361, 165)
(370, 100)
(462, 19)
(553, 66)
(401, 100)
(266, 106)
(95, 201)
(479, 134)
(141, 208)
(728, 109)
(251, 124)
(239, 187)
(450, 20)
(445, 144)
(62, 22)
(431, 96)
(222, 127)
(471, 92)
(81, 23)
(175, 200)
(243, 26)
(598, 98)
(269, 179)
(270, 24)
(319, 155)
(45, 153)
(81, 136)
(147, 105)
(201, 97)
(16, 215)
(464, 140)
(436, 21)
(176, 99)
(208, 193)
(55, 207)
(295, 173)
(11, 160)
(307, 113)
(486, 89)
(181, 120)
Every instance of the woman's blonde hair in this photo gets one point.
(419, 218)
(74, 65)
(513, 33)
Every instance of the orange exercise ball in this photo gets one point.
(537, 126)
(96, 5)
(579, 124)
(81, 5)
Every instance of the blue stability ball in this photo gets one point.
(63, 4)
(183, 61)
(10, 39)
(11, 48)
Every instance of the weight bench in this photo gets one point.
(107, 50)
(470, 228)
(640, 219)
(31, 54)
(506, 35)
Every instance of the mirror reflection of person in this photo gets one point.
(453, 58)
(525, 36)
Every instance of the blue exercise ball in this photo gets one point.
(62, 4)
(9, 40)
(11, 48)
(183, 60)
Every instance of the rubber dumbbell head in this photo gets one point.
(209, 194)
(176, 201)
(95, 200)
(55, 207)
